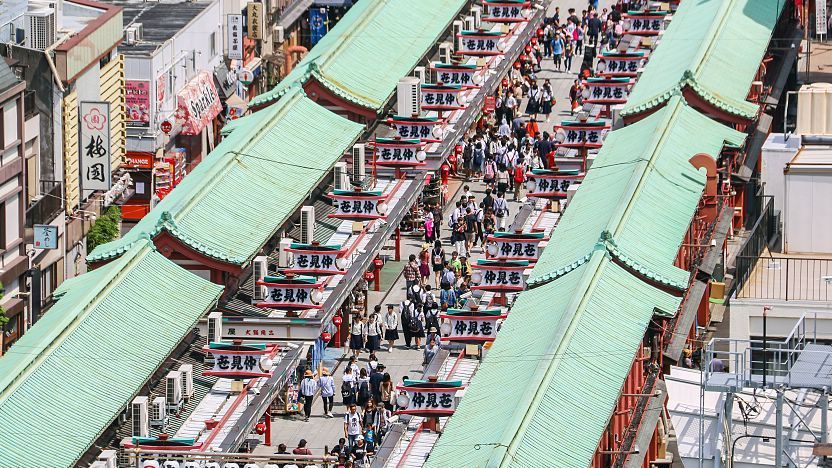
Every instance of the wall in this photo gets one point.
(807, 221)
(747, 318)
(776, 153)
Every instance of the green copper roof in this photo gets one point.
(237, 198)
(714, 47)
(374, 45)
(592, 294)
(65, 381)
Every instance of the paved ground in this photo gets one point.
(320, 431)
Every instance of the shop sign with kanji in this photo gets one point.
(94, 145)
(611, 64)
(606, 90)
(515, 246)
(237, 361)
(472, 326)
(398, 152)
(499, 275)
(291, 292)
(358, 205)
(316, 259)
(235, 36)
(577, 134)
(427, 399)
(643, 23)
(463, 75)
(552, 184)
(480, 43)
(505, 11)
(425, 129)
(442, 97)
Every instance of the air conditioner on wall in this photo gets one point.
(187, 371)
(284, 257)
(476, 12)
(139, 417)
(359, 163)
(307, 224)
(173, 392)
(340, 179)
(159, 413)
(446, 50)
(470, 23)
(421, 73)
(259, 269)
(278, 34)
(456, 31)
(408, 96)
(214, 327)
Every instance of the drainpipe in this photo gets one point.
(290, 62)
(705, 161)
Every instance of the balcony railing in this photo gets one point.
(785, 278)
(44, 210)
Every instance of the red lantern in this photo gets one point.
(260, 428)
(378, 263)
(337, 320)
(539, 32)
(326, 336)
(517, 64)
(528, 49)
(211, 423)
(522, 58)
(534, 40)
(368, 276)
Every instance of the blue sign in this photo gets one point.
(318, 22)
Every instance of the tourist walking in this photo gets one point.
(358, 333)
(327, 386)
(391, 327)
(308, 388)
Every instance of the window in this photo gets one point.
(213, 44)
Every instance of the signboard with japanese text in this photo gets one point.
(198, 104)
(612, 64)
(45, 236)
(315, 260)
(235, 36)
(428, 399)
(480, 43)
(291, 293)
(499, 275)
(505, 11)
(515, 246)
(94, 145)
(398, 152)
(426, 129)
(234, 361)
(139, 160)
(255, 20)
(552, 184)
(462, 75)
(472, 326)
(358, 205)
(576, 134)
(137, 103)
(442, 97)
(643, 23)
(820, 18)
(606, 90)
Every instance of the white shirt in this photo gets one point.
(353, 422)
(391, 321)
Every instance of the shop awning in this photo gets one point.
(197, 104)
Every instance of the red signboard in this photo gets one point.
(137, 102)
(490, 104)
(166, 126)
(139, 160)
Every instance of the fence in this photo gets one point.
(48, 206)
(785, 278)
(761, 233)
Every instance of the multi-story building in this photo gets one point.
(13, 260)
(66, 53)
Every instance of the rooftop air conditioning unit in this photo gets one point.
(187, 371)
(359, 161)
(109, 458)
(470, 23)
(307, 224)
(278, 34)
(139, 417)
(456, 32)
(130, 36)
(259, 269)
(173, 391)
(40, 28)
(421, 73)
(98, 464)
(408, 97)
(139, 27)
(340, 179)
(284, 258)
(446, 51)
(476, 12)
(159, 413)
(214, 327)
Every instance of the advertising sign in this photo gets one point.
(398, 152)
(552, 184)
(291, 292)
(611, 64)
(426, 399)
(505, 11)
(94, 145)
(472, 326)
(237, 361)
(577, 134)
(426, 129)
(235, 37)
(46, 236)
(606, 90)
(480, 43)
(514, 246)
(137, 102)
(463, 75)
(316, 259)
(442, 97)
(643, 23)
(499, 275)
(198, 104)
(358, 205)
(255, 20)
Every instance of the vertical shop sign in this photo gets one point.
(94, 145)
(318, 20)
(255, 23)
(137, 101)
(235, 37)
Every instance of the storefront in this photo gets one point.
(140, 167)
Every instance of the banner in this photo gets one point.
(514, 246)
(291, 293)
(480, 43)
(462, 75)
(255, 20)
(237, 361)
(137, 102)
(318, 22)
(442, 97)
(471, 326)
(606, 90)
(198, 104)
(235, 37)
(552, 184)
(426, 129)
(577, 134)
(397, 152)
(357, 205)
(505, 11)
(426, 399)
(316, 260)
(499, 275)
(643, 23)
(612, 64)
(94, 145)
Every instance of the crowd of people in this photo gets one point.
(499, 151)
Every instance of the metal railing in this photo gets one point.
(785, 278)
(762, 232)
(44, 210)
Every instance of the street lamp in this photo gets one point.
(476, 277)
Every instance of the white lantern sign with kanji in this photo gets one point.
(291, 292)
(505, 11)
(544, 183)
(614, 63)
(580, 134)
(441, 97)
(463, 75)
(514, 246)
(428, 399)
(480, 43)
(471, 326)
(317, 260)
(358, 205)
(643, 23)
(499, 275)
(238, 361)
(398, 152)
(94, 145)
(606, 90)
(425, 129)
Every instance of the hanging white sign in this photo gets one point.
(94, 145)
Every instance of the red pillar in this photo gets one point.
(398, 245)
(268, 434)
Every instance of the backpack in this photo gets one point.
(500, 208)
(489, 170)
(364, 391)
(519, 174)
(346, 391)
(414, 325)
